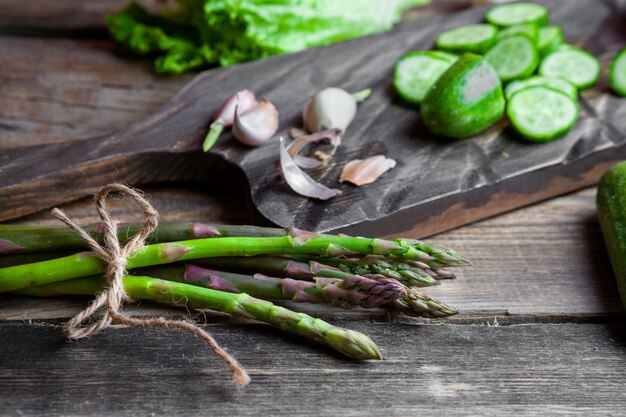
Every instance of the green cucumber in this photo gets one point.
(541, 114)
(549, 39)
(572, 64)
(471, 38)
(465, 100)
(416, 72)
(513, 57)
(617, 73)
(529, 30)
(611, 207)
(556, 83)
(517, 14)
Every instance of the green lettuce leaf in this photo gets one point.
(202, 33)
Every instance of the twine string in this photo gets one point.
(116, 257)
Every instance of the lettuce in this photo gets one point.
(202, 33)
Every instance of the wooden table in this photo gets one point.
(541, 328)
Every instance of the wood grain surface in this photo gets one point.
(504, 354)
(532, 370)
(437, 184)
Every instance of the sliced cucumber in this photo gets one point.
(416, 72)
(541, 113)
(529, 30)
(556, 83)
(466, 100)
(513, 57)
(617, 73)
(550, 38)
(471, 38)
(446, 56)
(572, 64)
(517, 14)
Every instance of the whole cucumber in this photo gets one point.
(611, 206)
(465, 100)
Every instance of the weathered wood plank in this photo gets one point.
(546, 262)
(77, 89)
(449, 370)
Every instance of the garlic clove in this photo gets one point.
(360, 172)
(331, 108)
(243, 100)
(299, 181)
(257, 126)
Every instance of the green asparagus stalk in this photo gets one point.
(87, 263)
(350, 343)
(411, 273)
(27, 239)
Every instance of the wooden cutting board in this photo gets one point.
(438, 184)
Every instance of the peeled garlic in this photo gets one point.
(331, 108)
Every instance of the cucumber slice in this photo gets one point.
(471, 38)
(416, 72)
(529, 30)
(517, 14)
(446, 56)
(466, 100)
(556, 83)
(513, 57)
(541, 114)
(550, 38)
(572, 64)
(617, 73)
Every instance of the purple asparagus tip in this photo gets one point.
(194, 271)
(6, 246)
(199, 231)
(294, 268)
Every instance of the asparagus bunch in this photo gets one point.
(295, 242)
(340, 270)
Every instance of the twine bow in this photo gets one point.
(115, 256)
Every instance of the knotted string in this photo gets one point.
(115, 256)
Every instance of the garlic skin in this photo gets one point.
(243, 101)
(257, 126)
(331, 108)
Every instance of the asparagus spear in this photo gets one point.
(351, 343)
(86, 263)
(345, 292)
(319, 268)
(422, 305)
(27, 239)
(354, 291)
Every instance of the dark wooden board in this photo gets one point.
(439, 370)
(436, 185)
